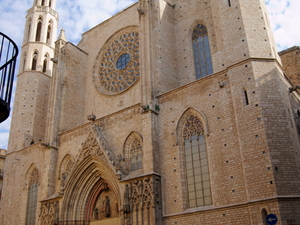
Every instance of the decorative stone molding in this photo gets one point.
(65, 170)
(49, 213)
(142, 197)
(95, 144)
(43, 9)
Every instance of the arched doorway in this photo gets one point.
(92, 194)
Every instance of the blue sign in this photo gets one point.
(271, 219)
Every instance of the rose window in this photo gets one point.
(118, 64)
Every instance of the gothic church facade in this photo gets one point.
(169, 112)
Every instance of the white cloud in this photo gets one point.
(78, 16)
(285, 19)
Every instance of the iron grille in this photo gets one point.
(8, 58)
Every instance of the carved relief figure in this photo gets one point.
(66, 168)
(106, 205)
(96, 214)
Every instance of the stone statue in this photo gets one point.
(96, 214)
(107, 206)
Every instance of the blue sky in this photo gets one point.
(77, 16)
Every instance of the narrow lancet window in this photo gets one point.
(43, 2)
(45, 64)
(32, 198)
(50, 3)
(34, 61)
(38, 30)
(28, 30)
(197, 171)
(229, 3)
(201, 49)
(49, 33)
(24, 61)
(246, 99)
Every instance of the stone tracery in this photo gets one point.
(34, 178)
(193, 126)
(140, 197)
(133, 152)
(65, 170)
(108, 78)
(49, 213)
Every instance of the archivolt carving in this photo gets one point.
(49, 213)
(91, 177)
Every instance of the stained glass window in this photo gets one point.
(34, 61)
(201, 49)
(32, 199)
(197, 171)
(39, 30)
(123, 61)
(136, 155)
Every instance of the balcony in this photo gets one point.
(8, 58)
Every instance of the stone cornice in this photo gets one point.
(46, 9)
(249, 60)
(243, 204)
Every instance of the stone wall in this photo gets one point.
(291, 61)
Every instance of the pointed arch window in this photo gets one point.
(45, 63)
(264, 215)
(50, 2)
(24, 61)
(29, 30)
(197, 171)
(39, 30)
(34, 60)
(133, 152)
(32, 197)
(136, 155)
(49, 33)
(201, 49)
(43, 2)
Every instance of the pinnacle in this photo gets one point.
(62, 35)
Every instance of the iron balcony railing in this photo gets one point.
(8, 58)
